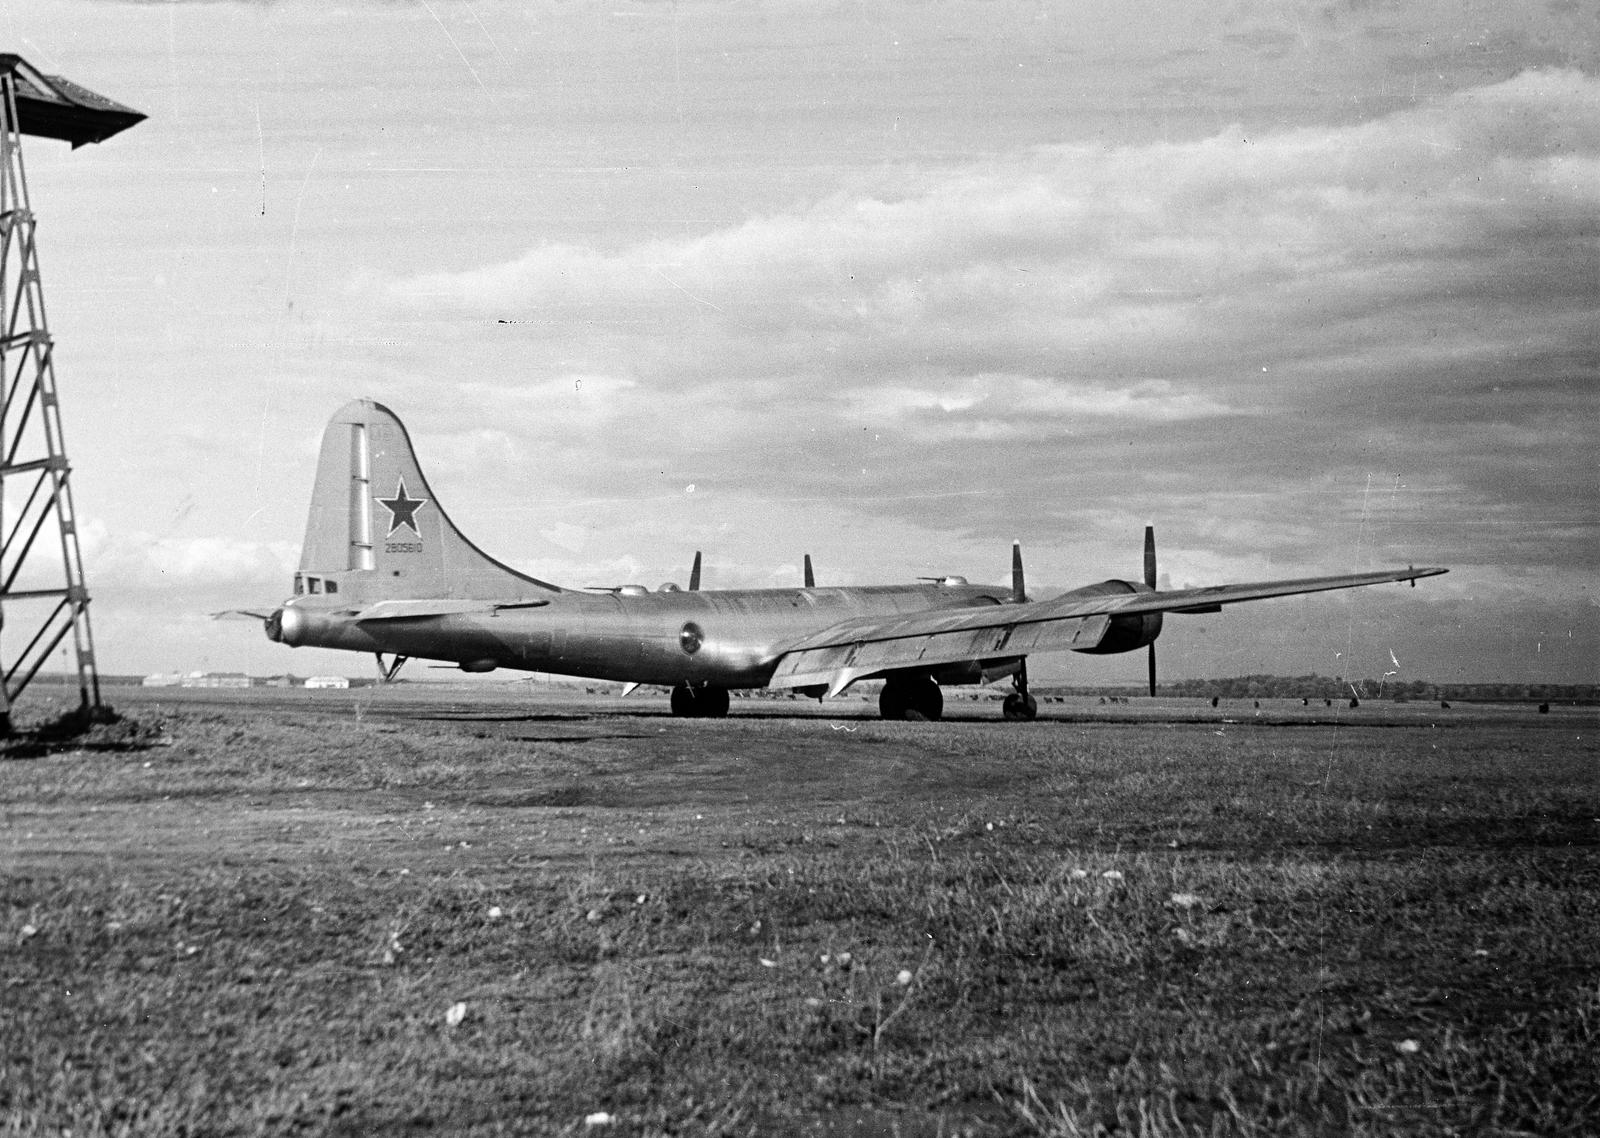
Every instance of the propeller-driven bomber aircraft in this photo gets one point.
(384, 570)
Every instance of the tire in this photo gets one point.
(699, 703)
(927, 701)
(912, 697)
(1019, 708)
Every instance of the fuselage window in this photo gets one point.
(314, 584)
(333, 587)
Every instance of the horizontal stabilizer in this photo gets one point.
(418, 610)
(261, 613)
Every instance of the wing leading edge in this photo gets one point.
(840, 655)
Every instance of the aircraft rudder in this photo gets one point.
(376, 524)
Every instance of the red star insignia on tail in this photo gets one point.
(402, 509)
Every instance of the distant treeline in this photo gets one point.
(1337, 687)
(1235, 687)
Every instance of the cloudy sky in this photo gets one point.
(1310, 287)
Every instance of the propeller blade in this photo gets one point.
(1150, 579)
(694, 574)
(1018, 592)
(811, 580)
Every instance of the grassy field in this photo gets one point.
(411, 911)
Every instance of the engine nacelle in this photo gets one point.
(297, 626)
(288, 626)
(1124, 633)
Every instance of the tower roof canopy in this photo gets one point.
(53, 107)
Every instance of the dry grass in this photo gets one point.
(256, 918)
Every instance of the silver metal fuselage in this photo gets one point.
(723, 638)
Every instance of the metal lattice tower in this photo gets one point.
(43, 595)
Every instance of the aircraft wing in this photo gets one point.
(840, 655)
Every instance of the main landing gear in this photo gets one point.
(1019, 706)
(699, 703)
(389, 669)
(915, 696)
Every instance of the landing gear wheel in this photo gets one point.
(1019, 708)
(927, 701)
(699, 703)
(911, 697)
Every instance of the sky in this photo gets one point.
(1311, 288)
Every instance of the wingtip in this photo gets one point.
(1412, 574)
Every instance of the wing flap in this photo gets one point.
(839, 665)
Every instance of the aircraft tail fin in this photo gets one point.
(376, 531)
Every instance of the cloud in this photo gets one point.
(997, 408)
(859, 307)
(133, 562)
(1171, 261)
(1407, 300)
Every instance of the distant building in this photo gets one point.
(284, 681)
(162, 680)
(215, 680)
(327, 682)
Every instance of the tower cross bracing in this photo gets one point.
(44, 600)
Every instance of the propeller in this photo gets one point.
(1019, 594)
(1150, 579)
(694, 579)
(811, 578)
